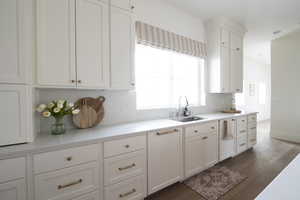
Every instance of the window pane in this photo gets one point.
(163, 76)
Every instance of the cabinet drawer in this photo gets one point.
(200, 129)
(122, 167)
(117, 147)
(242, 123)
(90, 196)
(252, 137)
(133, 189)
(67, 183)
(11, 169)
(65, 158)
(252, 118)
(252, 125)
(242, 143)
(124, 4)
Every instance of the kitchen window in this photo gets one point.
(163, 76)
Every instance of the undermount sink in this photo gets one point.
(190, 119)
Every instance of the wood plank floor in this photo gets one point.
(260, 164)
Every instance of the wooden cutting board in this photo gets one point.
(91, 112)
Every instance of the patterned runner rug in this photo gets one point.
(214, 182)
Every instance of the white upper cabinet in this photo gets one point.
(92, 43)
(13, 190)
(73, 43)
(225, 35)
(122, 49)
(13, 116)
(15, 42)
(124, 4)
(225, 56)
(56, 43)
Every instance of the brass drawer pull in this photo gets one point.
(243, 131)
(242, 144)
(204, 138)
(127, 146)
(243, 120)
(69, 158)
(127, 193)
(59, 187)
(195, 131)
(212, 127)
(167, 132)
(253, 128)
(127, 167)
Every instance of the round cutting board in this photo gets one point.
(91, 112)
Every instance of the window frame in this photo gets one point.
(202, 83)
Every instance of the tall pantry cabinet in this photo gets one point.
(225, 55)
(16, 61)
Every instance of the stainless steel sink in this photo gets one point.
(190, 119)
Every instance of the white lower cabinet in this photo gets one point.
(12, 179)
(201, 151)
(67, 183)
(131, 189)
(242, 143)
(89, 196)
(165, 160)
(13, 190)
(122, 167)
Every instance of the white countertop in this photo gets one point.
(286, 185)
(76, 137)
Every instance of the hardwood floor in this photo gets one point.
(260, 164)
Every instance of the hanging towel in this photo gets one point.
(227, 131)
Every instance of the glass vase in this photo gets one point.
(58, 127)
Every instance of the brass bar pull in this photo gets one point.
(243, 131)
(167, 132)
(204, 138)
(59, 187)
(242, 144)
(127, 193)
(127, 167)
(253, 128)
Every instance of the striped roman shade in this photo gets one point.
(159, 38)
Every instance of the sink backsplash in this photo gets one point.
(120, 106)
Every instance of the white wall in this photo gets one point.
(120, 106)
(285, 104)
(256, 73)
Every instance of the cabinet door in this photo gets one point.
(122, 49)
(225, 37)
(92, 44)
(236, 71)
(194, 157)
(13, 190)
(164, 159)
(12, 63)
(13, 105)
(225, 70)
(236, 41)
(210, 149)
(56, 43)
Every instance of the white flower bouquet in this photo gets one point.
(57, 109)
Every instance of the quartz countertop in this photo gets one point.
(76, 137)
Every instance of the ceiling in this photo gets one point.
(260, 17)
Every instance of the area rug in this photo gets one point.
(214, 182)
